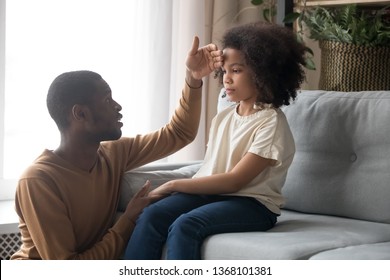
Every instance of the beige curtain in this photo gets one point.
(188, 21)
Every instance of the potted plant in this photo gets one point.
(355, 46)
(354, 43)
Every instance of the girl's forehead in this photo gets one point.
(233, 56)
(232, 53)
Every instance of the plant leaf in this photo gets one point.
(309, 63)
(291, 17)
(257, 2)
(267, 15)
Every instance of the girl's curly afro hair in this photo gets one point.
(274, 55)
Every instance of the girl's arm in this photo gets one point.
(245, 171)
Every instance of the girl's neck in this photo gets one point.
(246, 109)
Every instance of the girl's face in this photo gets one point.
(238, 77)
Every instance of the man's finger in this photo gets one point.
(144, 190)
(195, 46)
(212, 48)
(217, 56)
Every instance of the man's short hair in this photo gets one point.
(68, 89)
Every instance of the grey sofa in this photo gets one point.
(337, 189)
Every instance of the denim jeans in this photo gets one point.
(183, 221)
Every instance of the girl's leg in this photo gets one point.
(151, 229)
(225, 214)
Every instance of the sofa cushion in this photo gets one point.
(132, 181)
(295, 236)
(342, 161)
(377, 251)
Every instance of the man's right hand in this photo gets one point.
(201, 62)
(139, 201)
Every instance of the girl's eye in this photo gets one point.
(236, 70)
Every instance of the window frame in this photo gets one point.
(7, 187)
(2, 84)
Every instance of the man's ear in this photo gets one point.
(80, 112)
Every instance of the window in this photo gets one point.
(138, 46)
(44, 38)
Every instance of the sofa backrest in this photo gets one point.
(342, 161)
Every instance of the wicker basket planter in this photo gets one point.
(348, 67)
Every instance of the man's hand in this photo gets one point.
(201, 62)
(139, 201)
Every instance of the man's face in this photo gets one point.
(104, 124)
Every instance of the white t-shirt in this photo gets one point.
(265, 133)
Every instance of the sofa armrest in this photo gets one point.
(157, 174)
(157, 166)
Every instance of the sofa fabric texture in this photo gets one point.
(337, 189)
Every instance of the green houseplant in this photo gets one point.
(355, 46)
(354, 43)
(349, 24)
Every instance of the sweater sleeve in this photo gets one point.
(179, 132)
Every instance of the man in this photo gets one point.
(67, 199)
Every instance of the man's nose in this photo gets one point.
(118, 107)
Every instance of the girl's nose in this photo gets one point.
(227, 80)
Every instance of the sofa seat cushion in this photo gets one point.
(376, 251)
(295, 236)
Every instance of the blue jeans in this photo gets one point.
(183, 221)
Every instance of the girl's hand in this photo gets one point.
(162, 191)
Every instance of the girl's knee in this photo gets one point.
(185, 224)
(150, 214)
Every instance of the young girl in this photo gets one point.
(238, 187)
